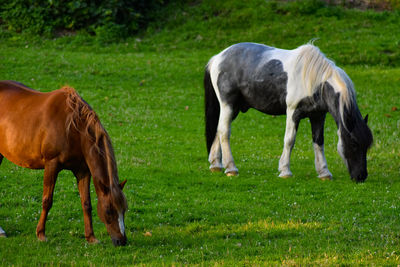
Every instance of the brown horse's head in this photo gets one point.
(111, 208)
(99, 156)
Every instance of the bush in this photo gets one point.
(110, 32)
(49, 17)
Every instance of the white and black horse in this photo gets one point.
(299, 83)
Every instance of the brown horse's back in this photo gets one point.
(32, 125)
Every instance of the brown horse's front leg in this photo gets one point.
(51, 171)
(83, 179)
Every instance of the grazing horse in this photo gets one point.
(59, 130)
(299, 83)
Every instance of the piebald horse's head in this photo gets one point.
(353, 145)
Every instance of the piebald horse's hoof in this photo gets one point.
(326, 178)
(286, 176)
(216, 169)
(232, 173)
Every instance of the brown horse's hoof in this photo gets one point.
(216, 169)
(92, 240)
(286, 176)
(326, 178)
(3, 235)
(42, 238)
(232, 173)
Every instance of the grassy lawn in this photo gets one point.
(148, 94)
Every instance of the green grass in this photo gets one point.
(149, 97)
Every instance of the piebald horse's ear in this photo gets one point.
(366, 119)
(122, 184)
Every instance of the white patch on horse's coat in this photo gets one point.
(294, 92)
(121, 223)
(320, 161)
(213, 67)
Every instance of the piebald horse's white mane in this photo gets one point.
(314, 69)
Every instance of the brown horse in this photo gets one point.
(59, 130)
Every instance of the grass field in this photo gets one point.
(148, 93)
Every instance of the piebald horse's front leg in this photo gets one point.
(290, 137)
(83, 180)
(51, 171)
(317, 129)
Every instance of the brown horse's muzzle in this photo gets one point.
(119, 241)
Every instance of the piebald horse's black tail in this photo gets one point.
(212, 110)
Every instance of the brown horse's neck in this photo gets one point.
(100, 160)
(96, 146)
(95, 142)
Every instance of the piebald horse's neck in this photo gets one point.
(332, 104)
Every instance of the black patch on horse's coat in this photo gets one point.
(258, 83)
(314, 108)
(317, 121)
(309, 105)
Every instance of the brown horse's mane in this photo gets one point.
(85, 120)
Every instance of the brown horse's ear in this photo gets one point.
(122, 184)
(366, 119)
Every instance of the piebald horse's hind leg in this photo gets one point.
(215, 156)
(51, 171)
(290, 138)
(83, 180)
(317, 129)
(224, 132)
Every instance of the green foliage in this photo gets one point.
(50, 16)
(218, 24)
(307, 7)
(371, 4)
(110, 32)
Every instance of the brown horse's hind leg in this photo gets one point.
(51, 171)
(2, 233)
(83, 179)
